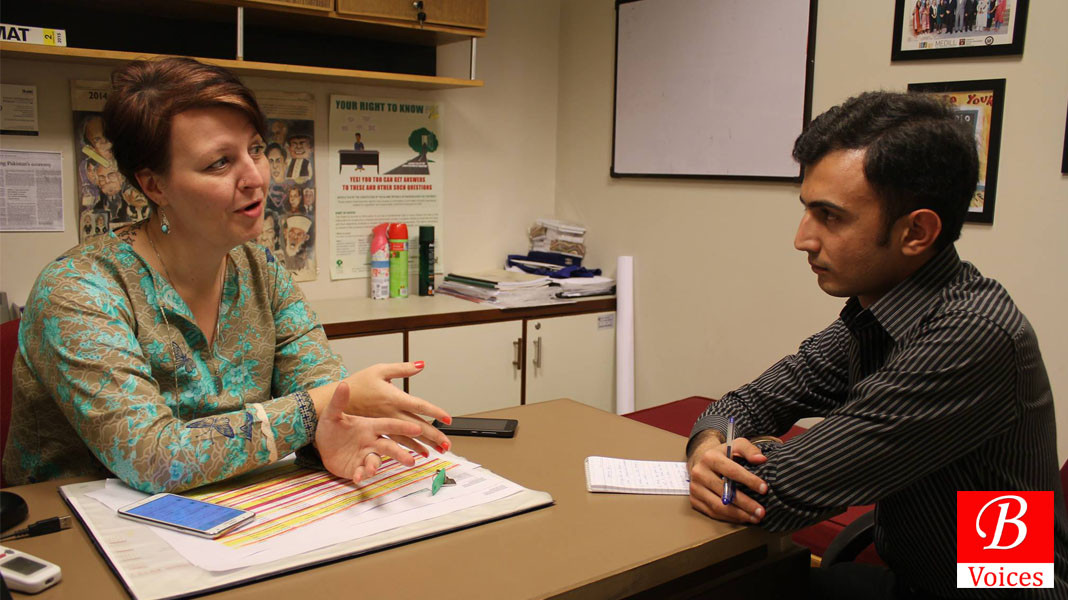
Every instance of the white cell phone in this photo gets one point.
(26, 573)
(186, 515)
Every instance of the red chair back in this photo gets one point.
(9, 344)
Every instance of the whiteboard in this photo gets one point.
(711, 88)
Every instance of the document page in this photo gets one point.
(623, 476)
(300, 510)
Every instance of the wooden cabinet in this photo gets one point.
(472, 14)
(469, 369)
(295, 39)
(358, 353)
(572, 357)
(320, 5)
(480, 358)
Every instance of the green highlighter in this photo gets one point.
(440, 479)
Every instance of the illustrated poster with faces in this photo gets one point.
(105, 199)
(289, 221)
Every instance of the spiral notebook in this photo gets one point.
(624, 476)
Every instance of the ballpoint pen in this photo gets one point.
(728, 485)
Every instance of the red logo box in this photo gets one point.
(1004, 539)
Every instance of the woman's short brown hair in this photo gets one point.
(147, 94)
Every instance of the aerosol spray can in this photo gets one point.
(380, 263)
(426, 260)
(398, 260)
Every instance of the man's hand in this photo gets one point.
(352, 447)
(709, 463)
(372, 395)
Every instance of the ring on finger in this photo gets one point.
(376, 454)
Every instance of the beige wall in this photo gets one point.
(720, 291)
(500, 144)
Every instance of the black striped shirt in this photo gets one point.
(938, 386)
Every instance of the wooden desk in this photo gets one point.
(585, 546)
(358, 158)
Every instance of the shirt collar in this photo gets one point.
(900, 308)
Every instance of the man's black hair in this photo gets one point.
(278, 147)
(917, 154)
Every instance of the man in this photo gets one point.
(109, 182)
(136, 205)
(299, 143)
(308, 195)
(358, 145)
(278, 129)
(276, 191)
(296, 254)
(930, 382)
(268, 237)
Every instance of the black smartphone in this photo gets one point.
(504, 428)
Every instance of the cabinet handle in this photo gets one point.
(515, 361)
(537, 353)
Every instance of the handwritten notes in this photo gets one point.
(622, 476)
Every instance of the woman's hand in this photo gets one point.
(352, 447)
(372, 395)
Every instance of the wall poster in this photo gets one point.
(386, 165)
(106, 200)
(289, 220)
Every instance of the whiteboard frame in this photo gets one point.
(805, 97)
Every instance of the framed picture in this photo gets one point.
(957, 28)
(1064, 157)
(979, 104)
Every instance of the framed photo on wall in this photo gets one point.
(1064, 157)
(979, 104)
(957, 28)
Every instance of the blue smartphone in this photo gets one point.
(186, 515)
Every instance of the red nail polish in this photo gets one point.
(419, 364)
(448, 420)
(446, 446)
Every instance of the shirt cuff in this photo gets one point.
(715, 422)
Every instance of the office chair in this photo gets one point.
(860, 534)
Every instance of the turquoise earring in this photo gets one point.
(165, 225)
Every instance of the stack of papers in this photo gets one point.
(577, 287)
(500, 279)
(500, 287)
(548, 235)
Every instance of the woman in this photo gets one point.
(175, 352)
(999, 15)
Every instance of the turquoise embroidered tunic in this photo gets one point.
(103, 384)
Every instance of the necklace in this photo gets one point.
(178, 356)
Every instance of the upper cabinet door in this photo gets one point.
(468, 369)
(472, 14)
(572, 357)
